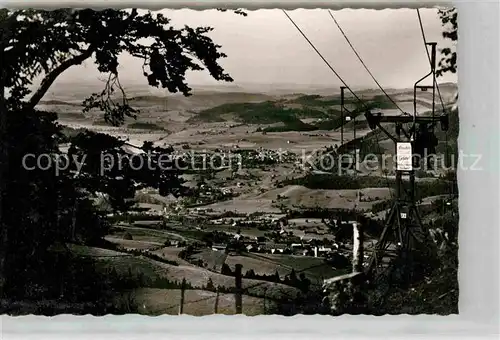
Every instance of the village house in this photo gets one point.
(277, 248)
(254, 248)
(306, 252)
(226, 191)
(301, 249)
(172, 243)
(322, 251)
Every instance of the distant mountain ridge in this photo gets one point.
(70, 92)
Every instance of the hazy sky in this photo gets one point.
(266, 48)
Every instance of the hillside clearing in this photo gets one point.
(152, 301)
(141, 266)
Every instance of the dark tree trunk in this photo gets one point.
(5, 36)
(3, 180)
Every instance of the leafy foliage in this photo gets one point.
(42, 208)
(448, 63)
(49, 42)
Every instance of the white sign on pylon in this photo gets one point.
(404, 156)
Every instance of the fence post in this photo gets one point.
(357, 248)
(216, 307)
(357, 266)
(73, 220)
(238, 294)
(183, 290)
(265, 301)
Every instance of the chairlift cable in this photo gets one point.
(363, 63)
(429, 58)
(439, 93)
(374, 79)
(338, 76)
(323, 58)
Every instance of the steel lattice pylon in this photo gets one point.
(403, 232)
(404, 235)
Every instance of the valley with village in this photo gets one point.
(267, 195)
(207, 162)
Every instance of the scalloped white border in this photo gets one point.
(250, 5)
(478, 57)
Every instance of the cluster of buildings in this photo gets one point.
(301, 249)
(231, 157)
(261, 244)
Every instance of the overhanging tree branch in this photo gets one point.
(52, 76)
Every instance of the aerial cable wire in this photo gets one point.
(374, 79)
(429, 58)
(439, 92)
(333, 70)
(323, 58)
(362, 62)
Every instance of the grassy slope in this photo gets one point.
(268, 264)
(335, 182)
(196, 302)
(141, 266)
